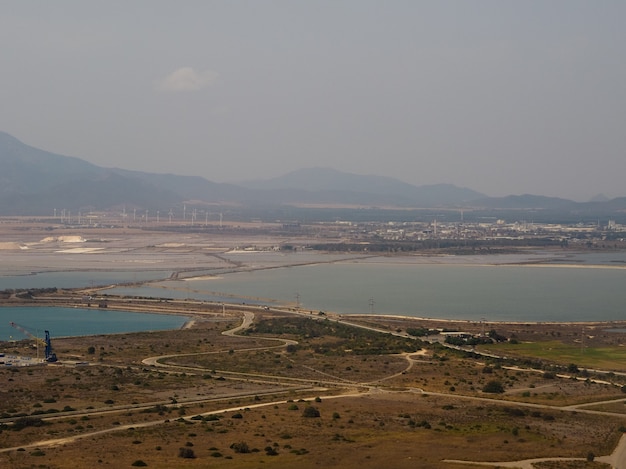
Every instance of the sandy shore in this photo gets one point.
(189, 324)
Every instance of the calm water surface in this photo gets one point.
(447, 291)
(567, 287)
(75, 321)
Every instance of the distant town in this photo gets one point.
(352, 235)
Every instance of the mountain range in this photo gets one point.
(37, 182)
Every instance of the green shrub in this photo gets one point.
(494, 387)
(24, 422)
(186, 453)
(310, 412)
(241, 447)
(271, 451)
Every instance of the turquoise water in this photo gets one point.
(446, 291)
(76, 322)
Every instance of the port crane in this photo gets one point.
(49, 355)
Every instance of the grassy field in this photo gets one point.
(555, 351)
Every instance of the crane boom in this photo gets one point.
(47, 343)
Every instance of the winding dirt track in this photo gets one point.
(617, 459)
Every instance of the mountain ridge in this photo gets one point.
(35, 181)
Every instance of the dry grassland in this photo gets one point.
(239, 402)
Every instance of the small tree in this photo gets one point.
(494, 387)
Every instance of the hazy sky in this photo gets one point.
(504, 97)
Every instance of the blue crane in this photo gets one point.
(50, 356)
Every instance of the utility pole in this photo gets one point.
(582, 340)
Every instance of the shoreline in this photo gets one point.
(473, 321)
(210, 309)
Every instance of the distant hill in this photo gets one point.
(28, 170)
(599, 198)
(526, 201)
(388, 190)
(36, 182)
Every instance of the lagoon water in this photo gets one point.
(586, 291)
(77, 322)
(562, 286)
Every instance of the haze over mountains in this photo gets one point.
(36, 182)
